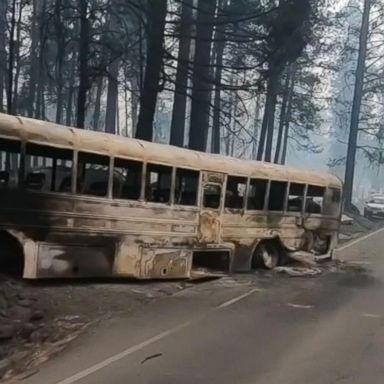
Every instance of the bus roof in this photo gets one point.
(46, 133)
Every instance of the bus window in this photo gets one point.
(295, 197)
(48, 168)
(127, 180)
(235, 193)
(186, 187)
(315, 199)
(158, 183)
(277, 195)
(9, 163)
(212, 195)
(256, 194)
(92, 174)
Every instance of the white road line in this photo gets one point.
(97, 367)
(300, 306)
(129, 351)
(238, 298)
(372, 315)
(360, 262)
(345, 246)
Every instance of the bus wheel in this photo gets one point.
(266, 256)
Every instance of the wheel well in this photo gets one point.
(11, 255)
(213, 260)
(274, 242)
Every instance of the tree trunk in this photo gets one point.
(256, 126)
(3, 51)
(126, 114)
(202, 84)
(41, 79)
(269, 111)
(96, 111)
(17, 58)
(11, 59)
(141, 57)
(135, 98)
(157, 11)
(112, 97)
(282, 117)
(68, 117)
(60, 44)
(274, 80)
(69, 95)
(231, 108)
(33, 58)
(181, 87)
(83, 64)
(356, 106)
(285, 143)
(288, 113)
(219, 46)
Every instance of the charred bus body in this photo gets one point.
(77, 203)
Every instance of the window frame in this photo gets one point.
(169, 203)
(301, 212)
(220, 207)
(245, 197)
(325, 188)
(142, 179)
(24, 159)
(75, 174)
(266, 195)
(198, 190)
(21, 170)
(285, 202)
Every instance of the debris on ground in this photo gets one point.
(359, 226)
(303, 257)
(27, 330)
(38, 319)
(347, 220)
(299, 271)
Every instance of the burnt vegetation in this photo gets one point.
(260, 80)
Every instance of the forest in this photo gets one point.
(270, 80)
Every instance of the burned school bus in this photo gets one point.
(80, 203)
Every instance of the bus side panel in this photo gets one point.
(245, 231)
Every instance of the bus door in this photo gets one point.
(212, 192)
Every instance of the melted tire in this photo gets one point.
(266, 256)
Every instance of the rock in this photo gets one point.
(39, 335)
(20, 313)
(299, 271)
(36, 315)
(27, 329)
(3, 303)
(7, 331)
(19, 357)
(26, 296)
(5, 366)
(25, 303)
(69, 318)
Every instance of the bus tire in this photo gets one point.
(266, 256)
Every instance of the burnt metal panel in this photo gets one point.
(165, 263)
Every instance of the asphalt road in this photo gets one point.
(253, 329)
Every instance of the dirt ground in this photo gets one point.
(37, 319)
